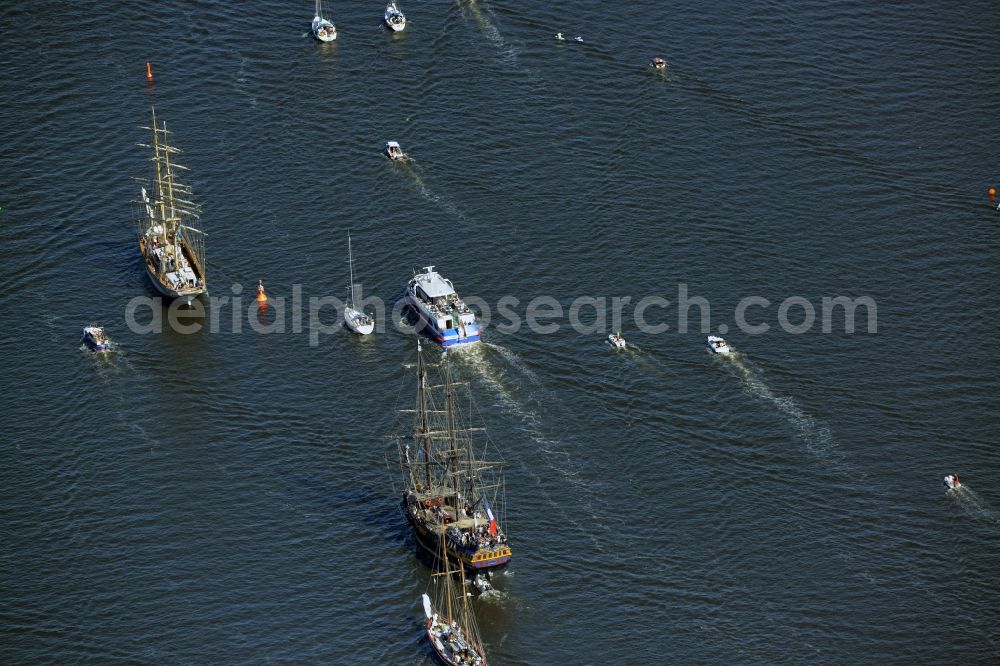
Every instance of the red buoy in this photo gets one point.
(993, 193)
(261, 294)
(149, 72)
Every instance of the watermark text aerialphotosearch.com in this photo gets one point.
(319, 316)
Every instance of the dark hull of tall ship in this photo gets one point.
(481, 560)
(187, 294)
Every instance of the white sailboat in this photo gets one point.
(322, 29)
(394, 17)
(356, 319)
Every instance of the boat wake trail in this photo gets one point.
(512, 360)
(441, 202)
(974, 505)
(509, 53)
(506, 378)
(646, 359)
(475, 361)
(241, 83)
(499, 599)
(815, 436)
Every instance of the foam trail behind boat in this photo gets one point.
(477, 361)
(513, 360)
(499, 599)
(445, 204)
(974, 505)
(646, 359)
(492, 33)
(242, 85)
(815, 436)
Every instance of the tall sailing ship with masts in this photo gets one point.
(453, 496)
(167, 221)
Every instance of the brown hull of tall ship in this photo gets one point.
(188, 294)
(481, 560)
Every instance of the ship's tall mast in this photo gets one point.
(471, 489)
(449, 407)
(170, 182)
(159, 188)
(422, 425)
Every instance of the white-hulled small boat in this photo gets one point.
(95, 338)
(356, 320)
(393, 151)
(394, 18)
(322, 29)
(718, 345)
(617, 341)
(658, 63)
(953, 482)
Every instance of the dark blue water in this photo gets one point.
(224, 497)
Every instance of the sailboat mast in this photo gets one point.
(466, 611)
(447, 577)
(350, 263)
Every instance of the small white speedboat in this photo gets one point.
(617, 341)
(394, 18)
(658, 63)
(953, 482)
(393, 151)
(559, 37)
(718, 345)
(322, 29)
(95, 338)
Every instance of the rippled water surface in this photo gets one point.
(224, 498)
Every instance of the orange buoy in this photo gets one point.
(261, 294)
(992, 192)
(149, 72)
